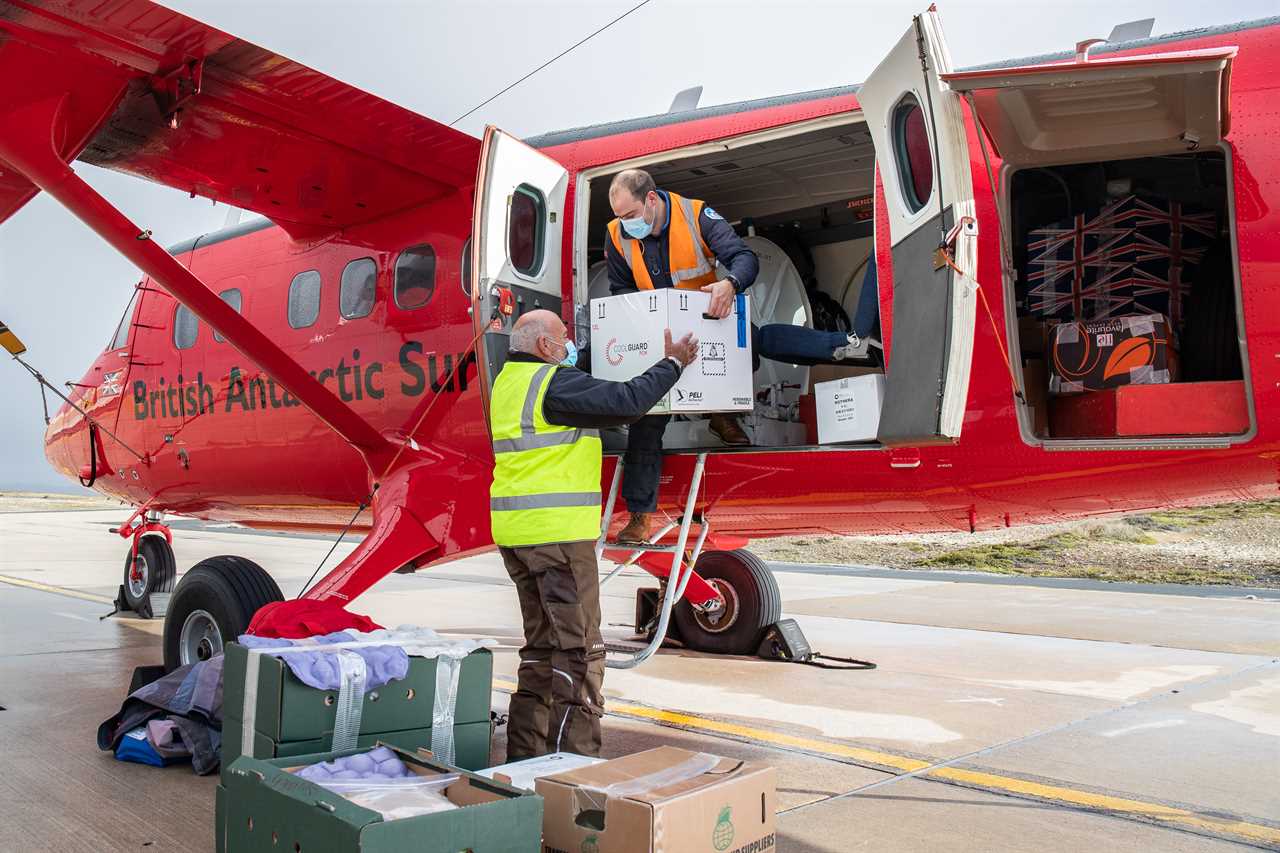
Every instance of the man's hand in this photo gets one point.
(722, 294)
(684, 350)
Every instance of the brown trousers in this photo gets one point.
(558, 702)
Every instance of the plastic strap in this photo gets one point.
(696, 765)
(350, 705)
(442, 713)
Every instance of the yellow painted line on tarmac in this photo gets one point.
(1153, 812)
(56, 590)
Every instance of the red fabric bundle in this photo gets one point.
(304, 617)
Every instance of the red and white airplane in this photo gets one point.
(339, 352)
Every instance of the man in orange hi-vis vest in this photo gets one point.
(660, 239)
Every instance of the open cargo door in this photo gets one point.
(1090, 110)
(917, 125)
(516, 233)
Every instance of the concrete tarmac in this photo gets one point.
(1013, 716)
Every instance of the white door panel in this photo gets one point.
(509, 168)
(519, 207)
(918, 127)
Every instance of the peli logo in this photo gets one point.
(692, 396)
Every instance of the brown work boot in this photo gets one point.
(726, 428)
(637, 530)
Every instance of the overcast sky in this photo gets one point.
(62, 290)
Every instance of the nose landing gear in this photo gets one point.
(151, 569)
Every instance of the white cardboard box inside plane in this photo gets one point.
(849, 409)
(626, 340)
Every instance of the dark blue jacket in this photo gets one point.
(721, 239)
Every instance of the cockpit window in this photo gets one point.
(235, 299)
(186, 326)
(126, 323)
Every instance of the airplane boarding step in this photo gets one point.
(629, 655)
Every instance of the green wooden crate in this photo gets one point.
(288, 710)
(470, 743)
(270, 809)
(220, 820)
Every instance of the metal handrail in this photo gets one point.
(677, 581)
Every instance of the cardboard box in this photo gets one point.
(627, 339)
(1035, 382)
(849, 409)
(1132, 350)
(523, 774)
(292, 718)
(268, 808)
(1184, 408)
(630, 805)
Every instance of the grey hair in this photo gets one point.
(527, 330)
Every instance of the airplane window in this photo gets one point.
(233, 298)
(526, 232)
(359, 283)
(915, 162)
(126, 322)
(304, 299)
(415, 276)
(185, 327)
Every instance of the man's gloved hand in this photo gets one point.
(684, 350)
(722, 294)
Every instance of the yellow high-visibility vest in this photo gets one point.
(692, 265)
(546, 478)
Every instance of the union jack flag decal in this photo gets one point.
(1131, 255)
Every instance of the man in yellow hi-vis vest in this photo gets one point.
(544, 508)
(661, 239)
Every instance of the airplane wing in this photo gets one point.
(183, 104)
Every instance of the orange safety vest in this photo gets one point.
(692, 264)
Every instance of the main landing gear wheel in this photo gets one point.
(751, 604)
(213, 604)
(152, 570)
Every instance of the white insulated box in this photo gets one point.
(849, 409)
(627, 339)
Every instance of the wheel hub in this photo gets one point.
(722, 614)
(138, 576)
(200, 639)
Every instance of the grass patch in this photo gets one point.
(1005, 557)
(1181, 519)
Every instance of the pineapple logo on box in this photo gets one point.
(722, 835)
(614, 352)
(590, 845)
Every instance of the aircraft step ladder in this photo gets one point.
(630, 655)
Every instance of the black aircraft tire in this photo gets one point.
(213, 604)
(158, 570)
(753, 603)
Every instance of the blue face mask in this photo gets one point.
(570, 354)
(637, 228)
